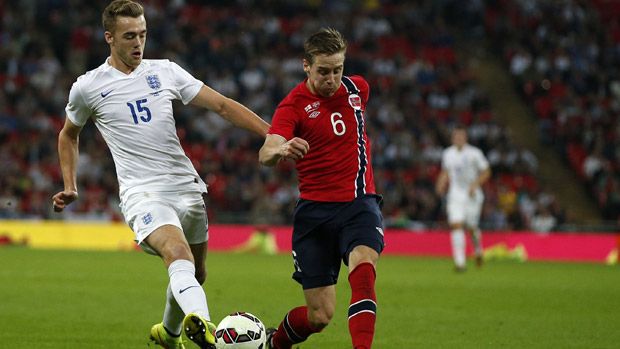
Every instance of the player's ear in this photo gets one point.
(306, 66)
(109, 38)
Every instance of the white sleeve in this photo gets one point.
(187, 85)
(483, 164)
(77, 111)
(444, 160)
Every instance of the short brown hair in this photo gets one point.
(326, 41)
(120, 8)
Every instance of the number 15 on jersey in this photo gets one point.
(139, 111)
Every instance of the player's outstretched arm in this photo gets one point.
(230, 110)
(277, 147)
(68, 140)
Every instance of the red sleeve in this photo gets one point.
(284, 121)
(363, 86)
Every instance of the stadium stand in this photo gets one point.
(252, 53)
(564, 60)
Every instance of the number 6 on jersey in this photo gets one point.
(338, 125)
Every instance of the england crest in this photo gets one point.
(153, 81)
(355, 101)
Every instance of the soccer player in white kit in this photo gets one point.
(162, 196)
(463, 171)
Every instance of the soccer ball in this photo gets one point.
(240, 330)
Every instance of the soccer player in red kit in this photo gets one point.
(321, 126)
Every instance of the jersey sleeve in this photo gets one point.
(482, 162)
(284, 121)
(363, 86)
(77, 109)
(444, 159)
(186, 84)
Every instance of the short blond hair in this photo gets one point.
(120, 8)
(327, 41)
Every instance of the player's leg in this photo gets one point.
(456, 218)
(173, 314)
(198, 326)
(361, 242)
(476, 239)
(302, 321)
(457, 240)
(363, 304)
(316, 259)
(473, 218)
(158, 224)
(170, 243)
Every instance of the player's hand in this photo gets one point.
(63, 199)
(472, 190)
(294, 149)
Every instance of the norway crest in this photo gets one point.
(355, 101)
(153, 81)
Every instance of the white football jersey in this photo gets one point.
(463, 168)
(134, 115)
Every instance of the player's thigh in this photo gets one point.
(361, 238)
(146, 214)
(194, 221)
(316, 258)
(456, 211)
(315, 245)
(169, 243)
(473, 211)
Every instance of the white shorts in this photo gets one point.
(145, 212)
(465, 210)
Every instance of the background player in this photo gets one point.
(130, 102)
(463, 170)
(321, 125)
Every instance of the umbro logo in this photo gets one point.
(311, 109)
(104, 94)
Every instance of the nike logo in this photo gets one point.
(156, 93)
(187, 288)
(104, 94)
(380, 230)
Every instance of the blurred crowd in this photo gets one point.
(251, 52)
(565, 59)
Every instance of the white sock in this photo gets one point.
(186, 290)
(173, 314)
(476, 237)
(457, 236)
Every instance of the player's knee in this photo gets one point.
(176, 251)
(320, 318)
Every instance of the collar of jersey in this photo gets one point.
(115, 71)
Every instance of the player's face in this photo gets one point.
(325, 74)
(127, 41)
(459, 137)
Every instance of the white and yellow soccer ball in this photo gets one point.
(240, 330)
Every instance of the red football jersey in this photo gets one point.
(338, 166)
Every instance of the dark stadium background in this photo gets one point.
(537, 83)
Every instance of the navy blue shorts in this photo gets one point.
(324, 233)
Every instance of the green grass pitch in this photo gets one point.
(80, 299)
